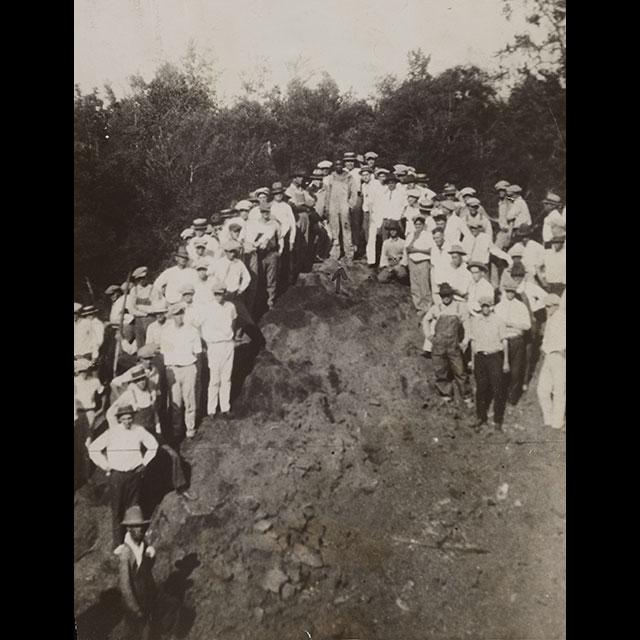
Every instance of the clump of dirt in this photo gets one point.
(343, 501)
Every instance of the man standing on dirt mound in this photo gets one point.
(341, 194)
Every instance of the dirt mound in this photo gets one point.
(342, 501)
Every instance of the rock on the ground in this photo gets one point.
(274, 579)
(306, 556)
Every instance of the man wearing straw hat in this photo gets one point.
(118, 453)
(553, 218)
(88, 334)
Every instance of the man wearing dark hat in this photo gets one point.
(517, 320)
(490, 362)
(118, 453)
(446, 327)
(136, 583)
(169, 283)
(392, 258)
(341, 196)
(554, 279)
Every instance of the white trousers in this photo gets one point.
(551, 389)
(371, 241)
(182, 382)
(220, 355)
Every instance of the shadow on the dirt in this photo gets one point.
(100, 619)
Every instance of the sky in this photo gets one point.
(356, 41)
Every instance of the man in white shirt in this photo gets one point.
(455, 228)
(479, 288)
(553, 374)
(555, 265)
(159, 313)
(503, 237)
(371, 192)
(479, 246)
(88, 335)
(411, 209)
(473, 211)
(517, 319)
(417, 251)
(214, 233)
(265, 235)
(440, 261)
(180, 345)
(518, 211)
(202, 289)
(200, 256)
(242, 209)
(392, 258)
(532, 251)
(217, 330)
(169, 283)
(282, 213)
(199, 227)
(123, 463)
(390, 202)
(456, 274)
(370, 158)
(553, 218)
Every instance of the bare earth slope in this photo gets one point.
(342, 501)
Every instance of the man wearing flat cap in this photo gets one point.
(473, 211)
(340, 198)
(553, 374)
(180, 345)
(371, 158)
(199, 226)
(118, 452)
(489, 362)
(140, 303)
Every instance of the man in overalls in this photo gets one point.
(447, 324)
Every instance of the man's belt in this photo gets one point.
(487, 353)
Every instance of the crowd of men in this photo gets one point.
(489, 292)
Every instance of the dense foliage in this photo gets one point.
(147, 164)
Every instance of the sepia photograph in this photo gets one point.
(319, 320)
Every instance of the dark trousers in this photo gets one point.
(357, 237)
(125, 492)
(140, 325)
(285, 266)
(517, 366)
(489, 386)
(448, 367)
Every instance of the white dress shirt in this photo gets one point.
(555, 333)
(191, 244)
(123, 448)
(477, 290)
(233, 273)
(216, 322)
(553, 219)
(535, 294)
(440, 261)
(458, 277)
(455, 229)
(88, 336)
(518, 212)
(153, 332)
(85, 390)
(116, 310)
(179, 345)
(391, 203)
(515, 315)
(259, 233)
(392, 253)
(203, 294)
(225, 234)
(424, 242)
(479, 248)
(555, 266)
(532, 255)
(173, 279)
(282, 213)
(134, 397)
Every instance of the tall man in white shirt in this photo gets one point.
(455, 228)
(217, 328)
(282, 213)
(371, 193)
(169, 283)
(456, 274)
(479, 288)
(503, 237)
(553, 374)
(180, 345)
(518, 211)
(392, 257)
(123, 462)
(440, 261)
(355, 212)
(555, 265)
(517, 320)
(418, 249)
(391, 202)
